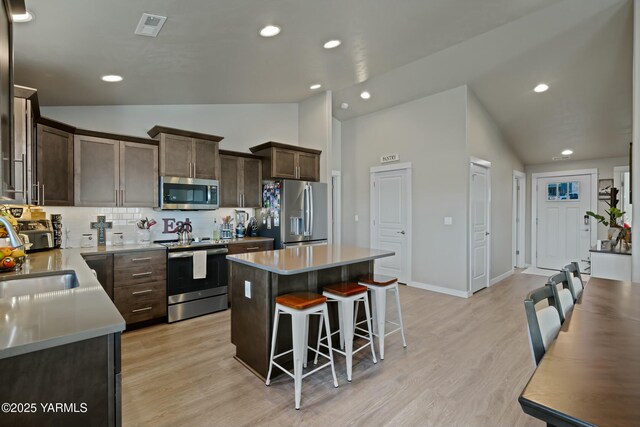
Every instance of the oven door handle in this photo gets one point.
(180, 255)
(189, 254)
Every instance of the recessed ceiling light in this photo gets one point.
(542, 87)
(567, 152)
(112, 78)
(23, 17)
(332, 43)
(315, 86)
(365, 95)
(270, 31)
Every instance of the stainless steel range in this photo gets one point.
(196, 279)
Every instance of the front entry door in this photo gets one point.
(389, 222)
(479, 227)
(563, 234)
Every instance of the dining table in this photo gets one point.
(590, 374)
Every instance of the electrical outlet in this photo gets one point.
(247, 289)
(448, 220)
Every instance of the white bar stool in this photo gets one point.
(346, 294)
(379, 285)
(300, 305)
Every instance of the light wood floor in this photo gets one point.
(466, 362)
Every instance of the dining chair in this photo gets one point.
(575, 279)
(544, 323)
(564, 294)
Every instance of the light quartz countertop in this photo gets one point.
(96, 250)
(302, 259)
(248, 239)
(43, 320)
(606, 249)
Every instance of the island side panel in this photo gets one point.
(251, 317)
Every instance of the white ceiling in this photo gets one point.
(208, 52)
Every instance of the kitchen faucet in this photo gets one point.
(14, 238)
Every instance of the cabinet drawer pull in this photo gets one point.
(255, 247)
(140, 259)
(137, 310)
(146, 291)
(146, 273)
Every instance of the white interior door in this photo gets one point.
(480, 200)
(390, 225)
(519, 186)
(516, 235)
(563, 235)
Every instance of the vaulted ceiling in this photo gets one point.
(209, 52)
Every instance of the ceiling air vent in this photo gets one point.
(560, 158)
(150, 25)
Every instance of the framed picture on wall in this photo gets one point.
(604, 189)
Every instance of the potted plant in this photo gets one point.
(616, 232)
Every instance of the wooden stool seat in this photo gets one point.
(301, 300)
(377, 279)
(346, 289)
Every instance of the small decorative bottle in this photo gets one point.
(216, 230)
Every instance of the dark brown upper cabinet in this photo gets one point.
(113, 172)
(240, 180)
(54, 165)
(288, 161)
(187, 154)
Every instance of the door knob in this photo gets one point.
(486, 233)
(400, 232)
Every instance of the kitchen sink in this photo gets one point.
(38, 284)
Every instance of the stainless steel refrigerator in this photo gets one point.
(293, 212)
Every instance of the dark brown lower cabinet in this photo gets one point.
(140, 285)
(135, 281)
(245, 247)
(102, 264)
(76, 384)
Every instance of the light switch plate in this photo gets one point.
(357, 218)
(448, 220)
(247, 289)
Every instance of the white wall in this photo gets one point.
(336, 165)
(605, 171)
(635, 177)
(336, 145)
(431, 134)
(241, 125)
(314, 128)
(485, 141)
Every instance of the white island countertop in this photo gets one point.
(301, 259)
(39, 321)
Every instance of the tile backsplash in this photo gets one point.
(76, 222)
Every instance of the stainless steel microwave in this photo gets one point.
(188, 194)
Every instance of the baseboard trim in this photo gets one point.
(501, 277)
(439, 289)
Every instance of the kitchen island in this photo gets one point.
(256, 279)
